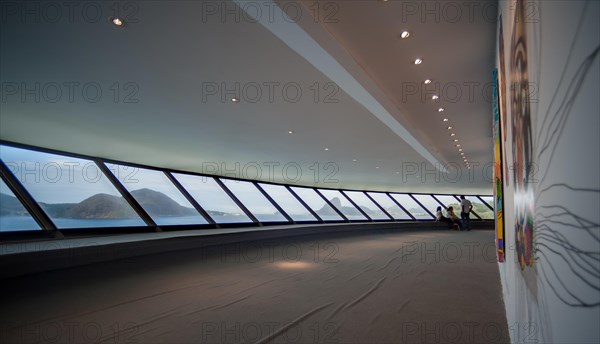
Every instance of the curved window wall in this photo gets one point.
(43, 191)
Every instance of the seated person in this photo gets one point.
(439, 217)
(453, 218)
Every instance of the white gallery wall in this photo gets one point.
(552, 124)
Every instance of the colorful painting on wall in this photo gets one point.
(502, 99)
(522, 150)
(498, 176)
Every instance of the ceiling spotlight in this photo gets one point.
(453, 134)
(455, 140)
(117, 21)
(461, 153)
(377, 167)
(434, 97)
(460, 149)
(290, 131)
(427, 82)
(418, 61)
(326, 149)
(405, 34)
(449, 128)
(445, 120)
(234, 100)
(354, 160)
(441, 110)
(457, 145)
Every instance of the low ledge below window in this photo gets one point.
(21, 258)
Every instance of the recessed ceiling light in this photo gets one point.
(405, 34)
(234, 100)
(457, 145)
(290, 131)
(418, 61)
(117, 21)
(455, 140)
(354, 160)
(326, 149)
(453, 134)
(435, 96)
(460, 149)
(441, 110)
(445, 120)
(461, 153)
(449, 128)
(377, 167)
(427, 82)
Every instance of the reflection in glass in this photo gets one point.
(431, 204)
(13, 215)
(73, 192)
(450, 201)
(489, 200)
(288, 202)
(413, 207)
(317, 204)
(212, 198)
(254, 200)
(390, 206)
(481, 209)
(342, 204)
(157, 195)
(367, 205)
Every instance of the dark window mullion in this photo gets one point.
(275, 204)
(440, 202)
(34, 209)
(237, 201)
(380, 207)
(421, 205)
(331, 205)
(189, 198)
(356, 205)
(401, 207)
(127, 196)
(317, 217)
(486, 204)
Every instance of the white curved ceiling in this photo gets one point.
(176, 51)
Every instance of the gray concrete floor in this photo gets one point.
(420, 286)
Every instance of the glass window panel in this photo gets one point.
(73, 192)
(343, 205)
(429, 203)
(390, 206)
(489, 200)
(157, 195)
(254, 200)
(317, 204)
(413, 207)
(288, 202)
(367, 205)
(481, 209)
(212, 198)
(450, 201)
(13, 215)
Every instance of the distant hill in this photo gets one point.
(327, 211)
(103, 206)
(100, 206)
(10, 206)
(158, 204)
